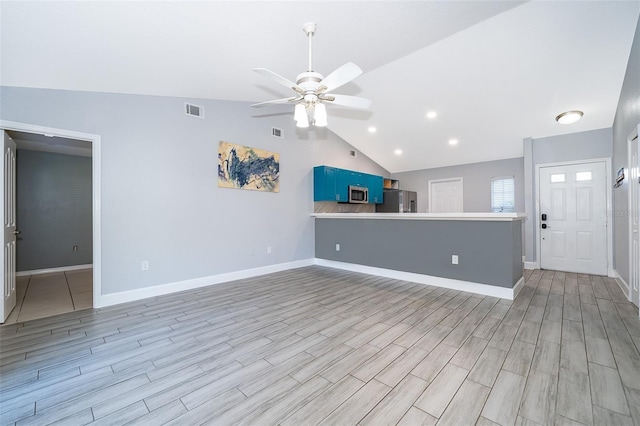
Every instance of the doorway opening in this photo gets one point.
(51, 279)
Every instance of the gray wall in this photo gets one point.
(556, 149)
(53, 210)
(627, 117)
(488, 252)
(476, 182)
(160, 200)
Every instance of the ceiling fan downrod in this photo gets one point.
(310, 29)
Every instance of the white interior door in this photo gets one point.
(9, 263)
(445, 196)
(573, 218)
(634, 220)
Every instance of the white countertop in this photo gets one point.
(500, 217)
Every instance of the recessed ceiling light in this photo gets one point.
(372, 129)
(453, 142)
(569, 117)
(398, 152)
(432, 114)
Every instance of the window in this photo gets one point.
(503, 195)
(557, 178)
(582, 176)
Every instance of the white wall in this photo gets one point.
(627, 117)
(476, 179)
(160, 200)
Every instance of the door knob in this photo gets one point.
(16, 232)
(544, 226)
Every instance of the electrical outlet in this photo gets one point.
(337, 247)
(144, 265)
(269, 250)
(454, 259)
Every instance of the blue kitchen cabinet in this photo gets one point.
(375, 189)
(325, 184)
(343, 180)
(332, 184)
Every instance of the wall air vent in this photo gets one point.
(194, 110)
(352, 152)
(277, 133)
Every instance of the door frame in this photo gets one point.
(432, 181)
(633, 186)
(96, 175)
(609, 204)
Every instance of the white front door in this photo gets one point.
(9, 263)
(573, 218)
(634, 220)
(445, 196)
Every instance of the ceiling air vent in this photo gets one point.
(352, 152)
(275, 132)
(194, 110)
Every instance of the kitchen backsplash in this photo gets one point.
(333, 207)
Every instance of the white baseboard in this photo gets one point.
(517, 287)
(159, 290)
(473, 287)
(50, 270)
(621, 283)
(531, 265)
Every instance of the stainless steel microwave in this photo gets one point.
(358, 194)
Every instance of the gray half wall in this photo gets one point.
(489, 252)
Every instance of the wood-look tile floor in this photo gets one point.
(321, 346)
(45, 295)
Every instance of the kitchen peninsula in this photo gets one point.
(475, 252)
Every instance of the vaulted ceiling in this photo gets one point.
(495, 72)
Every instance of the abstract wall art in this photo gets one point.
(243, 167)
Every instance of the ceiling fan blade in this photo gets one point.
(278, 79)
(341, 76)
(348, 101)
(277, 101)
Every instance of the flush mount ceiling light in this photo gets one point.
(432, 114)
(312, 89)
(372, 129)
(569, 117)
(453, 142)
(398, 152)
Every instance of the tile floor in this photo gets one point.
(44, 295)
(321, 346)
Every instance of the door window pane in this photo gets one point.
(582, 176)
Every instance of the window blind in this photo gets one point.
(503, 195)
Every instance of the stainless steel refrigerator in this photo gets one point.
(398, 201)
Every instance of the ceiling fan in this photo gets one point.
(312, 89)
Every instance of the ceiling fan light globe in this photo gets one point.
(300, 113)
(320, 115)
